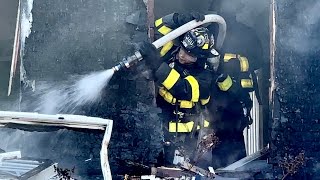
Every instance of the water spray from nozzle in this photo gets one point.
(128, 62)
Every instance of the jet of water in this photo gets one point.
(67, 98)
(89, 88)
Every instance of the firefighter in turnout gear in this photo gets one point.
(231, 106)
(182, 76)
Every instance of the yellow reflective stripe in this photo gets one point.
(171, 79)
(205, 101)
(158, 22)
(229, 56)
(185, 127)
(182, 127)
(244, 64)
(164, 30)
(205, 46)
(194, 87)
(167, 96)
(226, 84)
(166, 48)
(206, 123)
(186, 104)
(246, 83)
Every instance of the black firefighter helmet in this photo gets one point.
(198, 42)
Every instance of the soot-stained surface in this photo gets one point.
(296, 126)
(71, 38)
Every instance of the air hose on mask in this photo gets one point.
(211, 18)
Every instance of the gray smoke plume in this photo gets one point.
(247, 12)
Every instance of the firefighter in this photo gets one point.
(230, 110)
(182, 77)
(229, 116)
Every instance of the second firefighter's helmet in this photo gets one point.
(198, 42)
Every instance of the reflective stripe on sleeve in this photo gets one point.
(244, 64)
(171, 79)
(158, 22)
(246, 83)
(167, 96)
(166, 48)
(164, 30)
(226, 84)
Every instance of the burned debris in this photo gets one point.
(291, 164)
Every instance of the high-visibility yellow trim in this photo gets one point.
(185, 127)
(244, 64)
(226, 84)
(171, 79)
(247, 83)
(205, 46)
(194, 87)
(164, 30)
(166, 48)
(158, 22)
(205, 101)
(182, 127)
(167, 96)
(186, 104)
(206, 123)
(228, 56)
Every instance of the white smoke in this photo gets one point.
(299, 35)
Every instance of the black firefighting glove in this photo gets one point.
(147, 49)
(162, 72)
(150, 54)
(181, 18)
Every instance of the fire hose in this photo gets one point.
(211, 18)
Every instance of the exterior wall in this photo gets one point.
(296, 84)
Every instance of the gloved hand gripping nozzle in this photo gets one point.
(128, 62)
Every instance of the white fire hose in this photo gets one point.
(211, 18)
